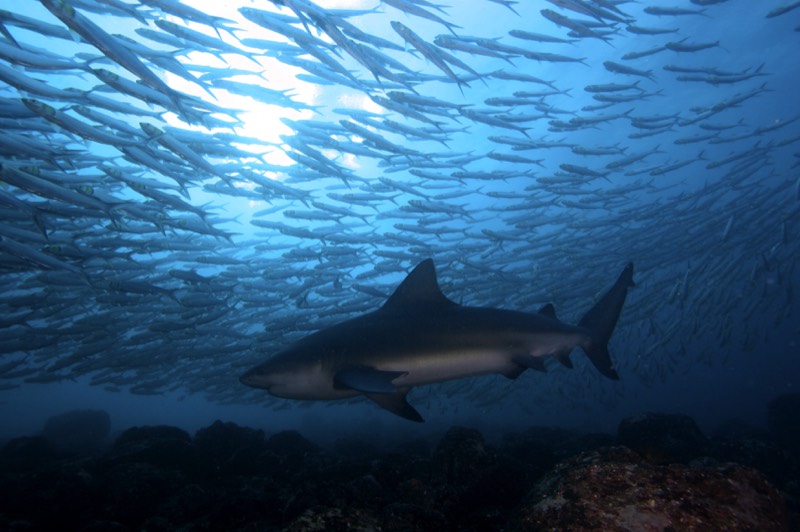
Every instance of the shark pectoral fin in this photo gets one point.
(527, 361)
(396, 403)
(365, 379)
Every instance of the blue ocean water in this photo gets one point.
(270, 219)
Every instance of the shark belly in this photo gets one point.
(317, 387)
(432, 367)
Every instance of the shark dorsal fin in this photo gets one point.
(420, 287)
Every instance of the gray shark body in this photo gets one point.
(419, 337)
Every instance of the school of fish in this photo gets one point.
(148, 245)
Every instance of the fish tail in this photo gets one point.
(601, 320)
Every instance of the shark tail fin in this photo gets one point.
(601, 320)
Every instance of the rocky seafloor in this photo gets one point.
(659, 472)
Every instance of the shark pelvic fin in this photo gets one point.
(601, 320)
(397, 404)
(365, 379)
(420, 287)
(514, 372)
(548, 310)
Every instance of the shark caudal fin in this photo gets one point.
(601, 319)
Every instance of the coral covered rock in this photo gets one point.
(615, 489)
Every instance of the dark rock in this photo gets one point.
(354, 447)
(226, 448)
(663, 438)
(365, 492)
(161, 446)
(473, 486)
(737, 429)
(615, 489)
(290, 442)
(28, 453)
(461, 457)
(230, 478)
(245, 501)
(323, 518)
(400, 517)
(55, 496)
(78, 430)
(132, 492)
(235, 503)
(763, 454)
(759, 449)
(783, 420)
(484, 505)
(393, 470)
(416, 448)
(288, 457)
(189, 504)
(98, 525)
(314, 492)
(15, 525)
(540, 448)
(33, 477)
(157, 524)
(149, 433)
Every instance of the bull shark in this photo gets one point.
(419, 336)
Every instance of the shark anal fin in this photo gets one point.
(565, 361)
(365, 379)
(397, 404)
(527, 361)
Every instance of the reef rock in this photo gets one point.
(615, 489)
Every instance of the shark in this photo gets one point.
(419, 337)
